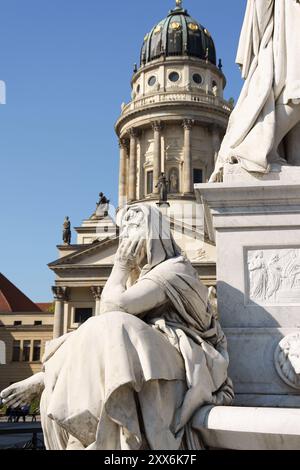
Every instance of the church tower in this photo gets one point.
(174, 124)
(177, 116)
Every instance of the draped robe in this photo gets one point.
(127, 382)
(268, 56)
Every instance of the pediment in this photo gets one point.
(103, 252)
(97, 254)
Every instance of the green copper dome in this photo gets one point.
(178, 35)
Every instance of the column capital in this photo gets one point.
(60, 293)
(96, 292)
(133, 132)
(124, 143)
(157, 126)
(188, 124)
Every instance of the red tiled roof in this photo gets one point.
(44, 306)
(13, 300)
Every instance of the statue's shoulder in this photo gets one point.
(172, 266)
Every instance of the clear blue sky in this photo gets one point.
(67, 65)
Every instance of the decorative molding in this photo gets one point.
(133, 132)
(124, 143)
(188, 124)
(157, 126)
(60, 293)
(287, 360)
(201, 255)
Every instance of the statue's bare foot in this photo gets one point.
(22, 393)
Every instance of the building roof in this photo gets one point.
(178, 35)
(44, 306)
(13, 300)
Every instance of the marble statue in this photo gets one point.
(174, 181)
(102, 200)
(102, 207)
(264, 127)
(67, 231)
(162, 186)
(133, 377)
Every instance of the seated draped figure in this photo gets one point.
(133, 377)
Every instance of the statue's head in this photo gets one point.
(146, 222)
(101, 194)
(134, 227)
(134, 223)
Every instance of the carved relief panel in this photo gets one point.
(273, 276)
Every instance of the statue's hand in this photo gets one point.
(127, 253)
(22, 393)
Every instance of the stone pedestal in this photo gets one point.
(256, 222)
(236, 428)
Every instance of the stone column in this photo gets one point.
(216, 144)
(132, 165)
(123, 143)
(157, 128)
(187, 152)
(216, 141)
(97, 291)
(60, 296)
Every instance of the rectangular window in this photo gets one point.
(83, 314)
(198, 175)
(26, 351)
(149, 182)
(38, 323)
(16, 351)
(17, 323)
(36, 351)
(2, 353)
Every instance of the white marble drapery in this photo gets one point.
(268, 56)
(120, 381)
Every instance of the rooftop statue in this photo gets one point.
(67, 231)
(133, 377)
(102, 200)
(264, 127)
(102, 207)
